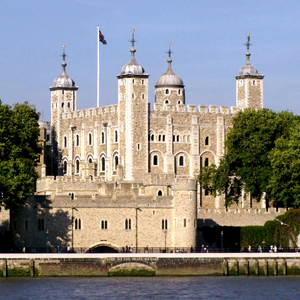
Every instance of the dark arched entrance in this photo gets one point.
(102, 249)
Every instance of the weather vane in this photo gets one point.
(169, 52)
(248, 41)
(132, 41)
(64, 54)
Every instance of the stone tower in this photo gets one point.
(249, 84)
(169, 88)
(63, 99)
(133, 118)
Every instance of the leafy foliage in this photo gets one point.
(248, 162)
(19, 152)
(281, 232)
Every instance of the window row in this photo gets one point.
(176, 138)
(167, 101)
(90, 160)
(167, 92)
(90, 139)
(155, 160)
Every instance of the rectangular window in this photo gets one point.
(184, 222)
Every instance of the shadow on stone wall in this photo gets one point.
(40, 227)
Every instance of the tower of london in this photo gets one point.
(126, 174)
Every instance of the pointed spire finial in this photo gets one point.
(169, 52)
(132, 41)
(248, 47)
(64, 54)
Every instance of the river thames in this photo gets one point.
(286, 287)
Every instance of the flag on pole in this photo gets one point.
(102, 39)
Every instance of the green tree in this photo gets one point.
(284, 185)
(19, 152)
(246, 164)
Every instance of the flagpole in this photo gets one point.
(98, 67)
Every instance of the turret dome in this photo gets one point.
(169, 78)
(132, 68)
(63, 80)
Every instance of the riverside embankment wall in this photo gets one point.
(208, 264)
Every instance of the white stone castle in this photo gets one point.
(126, 174)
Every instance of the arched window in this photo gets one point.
(167, 92)
(116, 136)
(103, 164)
(167, 101)
(77, 140)
(76, 224)
(206, 162)
(159, 193)
(90, 160)
(179, 102)
(77, 166)
(132, 81)
(65, 142)
(152, 137)
(163, 138)
(206, 141)
(65, 167)
(62, 105)
(129, 224)
(177, 138)
(181, 161)
(90, 139)
(159, 138)
(69, 105)
(174, 138)
(79, 223)
(179, 91)
(155, 160)
(116, 162)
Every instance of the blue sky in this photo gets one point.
(207, 40)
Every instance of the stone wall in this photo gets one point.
(13, 265)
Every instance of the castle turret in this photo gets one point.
(133, 118)
(249, 84)
(63, 99)
(169, 88)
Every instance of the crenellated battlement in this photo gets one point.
(191, 108)
(85, 113)
(237, 216)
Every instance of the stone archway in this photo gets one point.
(103, 248)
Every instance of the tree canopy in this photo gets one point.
(253, 161)
(19, 153)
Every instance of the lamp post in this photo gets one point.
(166, 233)
(222, 235)
(136, 228)
(47, 235)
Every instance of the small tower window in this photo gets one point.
(132, 95)
(163, 138)
(116, 136)
(65, 167)
(77, 140)
(159, 138)
(143, 96)
(167, 101)
(254, 82)
(90, 139)
(177, 138)
(69, 104)
(181, 161)
(116, 162)
(206, 162)
(90, 160)
(167, 92)
(152, 137)
(143, 81)
(132, 81)
(102, 164)
(155, 160)
(77, 166)
(179, 91)
(206, 141)
(65, 142)
(159, 193)
(62, 105)
(102, 138)
(179, 102)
